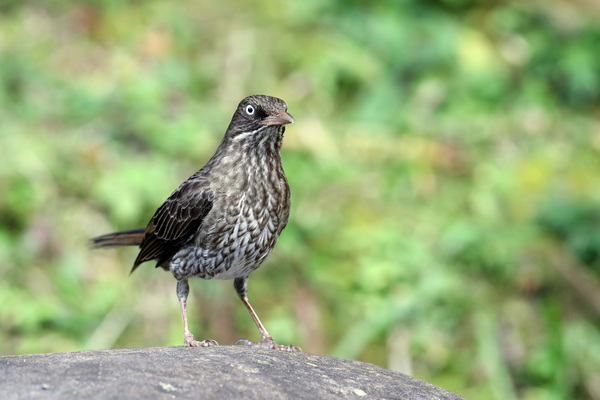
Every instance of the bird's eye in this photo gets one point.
(249, 110)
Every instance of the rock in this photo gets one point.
(224, 372)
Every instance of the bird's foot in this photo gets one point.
(268, 343)
(189, 341)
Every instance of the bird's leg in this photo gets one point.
(241, 287)
(263, 331)
(183, 289)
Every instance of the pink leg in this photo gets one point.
(188, 339)
(241, 288)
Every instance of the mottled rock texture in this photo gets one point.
(224, 372)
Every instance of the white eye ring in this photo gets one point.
(249, 110)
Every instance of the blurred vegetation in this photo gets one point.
(444, 166)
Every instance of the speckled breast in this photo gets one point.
(239, 238)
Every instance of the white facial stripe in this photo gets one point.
(246, 134)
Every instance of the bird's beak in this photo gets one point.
(279, 118)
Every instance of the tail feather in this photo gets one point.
(133, 237)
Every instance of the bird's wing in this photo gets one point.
(176, 220)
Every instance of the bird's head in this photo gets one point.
(259, 115)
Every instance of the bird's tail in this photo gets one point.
(133, 237)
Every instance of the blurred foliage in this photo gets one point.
(444, 166)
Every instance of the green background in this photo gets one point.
(444, 167)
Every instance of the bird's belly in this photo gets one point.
(230, 254)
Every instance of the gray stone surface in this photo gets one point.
(224, 372)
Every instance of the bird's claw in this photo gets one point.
(204, 343)
(189, 341)
(268, 343)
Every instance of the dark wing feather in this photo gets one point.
(176, 221)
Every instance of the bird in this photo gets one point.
(224, 220)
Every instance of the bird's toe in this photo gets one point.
(189, 341)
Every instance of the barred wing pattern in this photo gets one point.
(176, 221)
